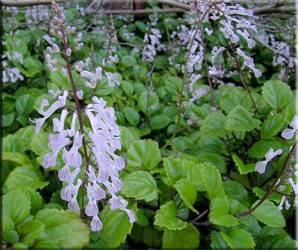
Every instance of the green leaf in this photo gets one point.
(23, 177)
(272, 126)
(29, 231)
(243, 169)
(179, 239)
(10, 236)
(24, 104)
(174, 169)
(152, 237)
(269, 214)
(219, 213)
(260, 148)
(7, 119)
(7, 224)
(277, 94)
(143, 154)
(233, 96)
(127, 87)
(16, 206)
(19, 245)
(212, 126)
(188, 193)
(116, 226)
(63, 229)
(142, 219)
(129, 135)
(37, 201)
(275, 238)
(159, 121)
(214, 159)
(141, 186)
(128, 61)
(237, 191)
(217, 242)
(39, 143)
(166, 217)
(132, 116)
(212, 180)
(193, 173)
(16, 157)
(147, 100)
(142, 27)
(240, 119)
(238, 238)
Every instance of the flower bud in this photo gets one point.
(68, 52)
(80, 45)
(63, 72)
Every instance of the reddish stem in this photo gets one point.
(78, 108)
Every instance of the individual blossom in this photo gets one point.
(261, 165)
(288, 133)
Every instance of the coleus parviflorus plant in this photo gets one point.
(101, 163)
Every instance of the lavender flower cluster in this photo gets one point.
(103, 165)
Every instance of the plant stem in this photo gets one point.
(185, 75)
(239, 69)
(78, 108)
(271, 188)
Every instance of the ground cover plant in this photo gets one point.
(171, 129)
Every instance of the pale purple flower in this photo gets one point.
(261, 165)
(289, 133)
(56, 105)
(96, 224)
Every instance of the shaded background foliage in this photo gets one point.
(190, 172)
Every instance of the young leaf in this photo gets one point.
(219, 213)
(166, 217)
(188, 193)
(238, 238)
(269, 214)
(179, 239)
(143, 154)
(132, 116)
(24, 104)
(141, 186)
(277, 94)
(16, 206)
(116, 226)
(159, 121)
(243, 169)
(174, 169)
(29, 231)
(212, 126)
(240, 119)
(212, 181)
(272, 126)
(23, 177)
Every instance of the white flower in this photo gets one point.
(289, 133)
(261, 165)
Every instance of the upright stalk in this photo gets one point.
(78, 108)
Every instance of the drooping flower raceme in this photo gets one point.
(261, 165)
(102, 165)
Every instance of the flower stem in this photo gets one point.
(78, 108)
(271, 188)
